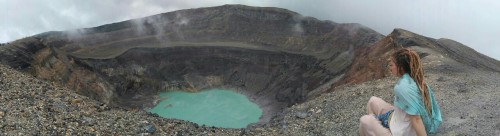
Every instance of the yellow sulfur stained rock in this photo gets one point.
(76, 101)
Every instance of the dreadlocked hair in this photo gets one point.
(408, 61)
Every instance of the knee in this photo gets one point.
(373, 99)
(365, 120)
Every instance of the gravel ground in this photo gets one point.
(29, 106)
(468, 98)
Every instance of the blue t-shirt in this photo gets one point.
(408, 98)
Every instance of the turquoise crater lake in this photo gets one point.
(215, 107)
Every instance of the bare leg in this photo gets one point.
(378, 106)
(370, 126)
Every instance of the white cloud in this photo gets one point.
(471, 22)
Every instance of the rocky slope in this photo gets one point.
(31, 106)
(315, 75)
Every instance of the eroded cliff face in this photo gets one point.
(64, 70)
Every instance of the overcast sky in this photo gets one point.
(475, 23)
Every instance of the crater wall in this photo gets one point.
(272, 79)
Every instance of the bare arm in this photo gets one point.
(418, 125)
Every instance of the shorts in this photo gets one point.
(384, 118)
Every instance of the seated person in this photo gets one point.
(415, 111)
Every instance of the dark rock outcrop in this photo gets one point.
(20, 53)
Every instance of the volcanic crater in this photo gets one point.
(274, 56)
